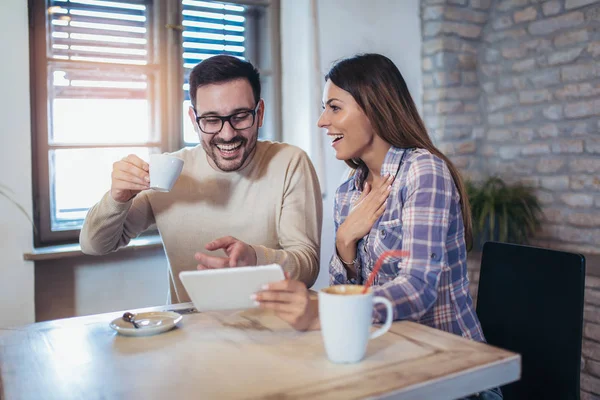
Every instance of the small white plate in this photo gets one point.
(150, 323)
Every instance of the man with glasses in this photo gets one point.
(238, 201)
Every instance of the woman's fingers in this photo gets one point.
(385, 185)
(279, 307)
(384, 194)
(288, 296)
(378, 197)
(380, 211)
(287, 285)
(281, 302)
(368, 207)
(276, 297)
(372, 195)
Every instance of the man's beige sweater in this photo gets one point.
(274, 204)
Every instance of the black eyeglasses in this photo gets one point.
(213, 124)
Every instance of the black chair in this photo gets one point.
(530, 301)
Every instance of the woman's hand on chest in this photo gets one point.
(365, 212)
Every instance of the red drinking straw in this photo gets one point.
(380, 260)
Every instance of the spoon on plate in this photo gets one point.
(130, 317)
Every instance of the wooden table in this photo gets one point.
(239, 355)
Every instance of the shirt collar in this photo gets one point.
(390, 165)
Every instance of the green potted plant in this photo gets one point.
(502, 212)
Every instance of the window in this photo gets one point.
(109, 78)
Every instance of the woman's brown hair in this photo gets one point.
(380, 90)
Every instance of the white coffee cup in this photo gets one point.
(164, 171)
(346, 318)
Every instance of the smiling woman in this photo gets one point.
(346, 123)
(405, 197)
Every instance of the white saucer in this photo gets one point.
(150, 323)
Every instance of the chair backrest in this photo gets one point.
(530, 301)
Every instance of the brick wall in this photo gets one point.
(512, 88)
(452, 31)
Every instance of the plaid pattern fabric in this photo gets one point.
(422, 216)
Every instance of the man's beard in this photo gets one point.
(247, 146)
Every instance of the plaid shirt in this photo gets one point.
(422, 216)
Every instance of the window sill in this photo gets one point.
(74, 250)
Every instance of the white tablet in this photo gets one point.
(228, 288)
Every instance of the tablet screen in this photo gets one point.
(228, 288)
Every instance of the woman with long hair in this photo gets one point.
(404, 195)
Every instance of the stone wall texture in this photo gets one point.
(512, 88)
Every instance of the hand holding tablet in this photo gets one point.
(228, 288)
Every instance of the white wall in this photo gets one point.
(345, 27)
(16, 275)
(297, 73)
(90, 285)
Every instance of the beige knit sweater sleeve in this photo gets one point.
(110, 225)
(299, 228)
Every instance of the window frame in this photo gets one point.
(165, 99)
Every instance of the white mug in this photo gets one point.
(164, 171)
(346, 316)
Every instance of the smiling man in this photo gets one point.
(239, 201)
(228, 146)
